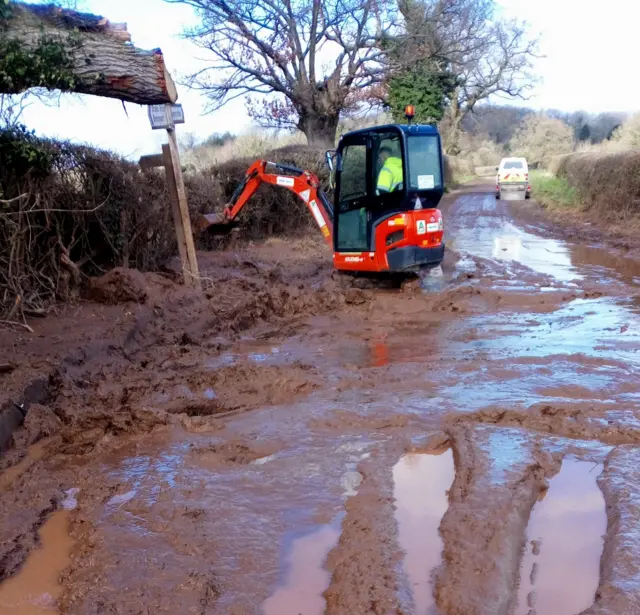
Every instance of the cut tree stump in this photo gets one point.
(105, 62)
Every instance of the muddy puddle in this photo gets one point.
(627, 270)
(495, 237)
(306, 576)
(594, 327)
(421, 484)
(35, 589)
(560, 570)
(34, 453)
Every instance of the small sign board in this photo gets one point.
(177, 113)
(165, 116)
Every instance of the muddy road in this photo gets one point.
(291, 446)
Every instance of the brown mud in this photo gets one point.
(242, 451)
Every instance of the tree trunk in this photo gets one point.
(453, 142)
(320, 130)
(104, 63)
(455, 120)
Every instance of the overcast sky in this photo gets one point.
(589, 65)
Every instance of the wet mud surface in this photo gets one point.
(295, 442)
(564, 540)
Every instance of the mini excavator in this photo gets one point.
(377, 223)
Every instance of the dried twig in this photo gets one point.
(15, 308)
(14, 199)
(61, 211)
(9, 323)
(35, 312)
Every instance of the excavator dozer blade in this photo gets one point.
(215, 224)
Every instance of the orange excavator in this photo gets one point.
(388, 182)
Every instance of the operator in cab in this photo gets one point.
(390, 176)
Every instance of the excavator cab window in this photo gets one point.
(423, 159)
(371, 173)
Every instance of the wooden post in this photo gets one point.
(175, 210)
(162, 116)
(184, 234)
(179, 211)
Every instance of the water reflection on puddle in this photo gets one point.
(594, 327)
(561, 565)
(421, 485)
(603, 261)
(307, 578)
(495, 237)
(506, 449)
(252, 351)
(507, 242)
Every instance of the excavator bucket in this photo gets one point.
(215, 224)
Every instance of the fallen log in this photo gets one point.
(97, 54)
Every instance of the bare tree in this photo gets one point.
(540, 137)
(301, 63)
(13, 106)
(12, 109)
(497, 122)
(489, 56)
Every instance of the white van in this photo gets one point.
(512, 180)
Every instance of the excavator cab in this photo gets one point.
(388, 183)
(387, 180)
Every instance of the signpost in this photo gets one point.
(166, 117)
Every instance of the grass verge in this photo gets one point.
(553, 192)
(463, 179)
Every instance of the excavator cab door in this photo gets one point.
(369, 184)
(351, 222)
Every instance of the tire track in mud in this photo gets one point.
(484, 528)
(363, 563)
(618, 592)
(606, 425)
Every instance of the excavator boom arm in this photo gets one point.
(303, 183)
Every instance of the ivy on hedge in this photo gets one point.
(47, 65)
(24, 153)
